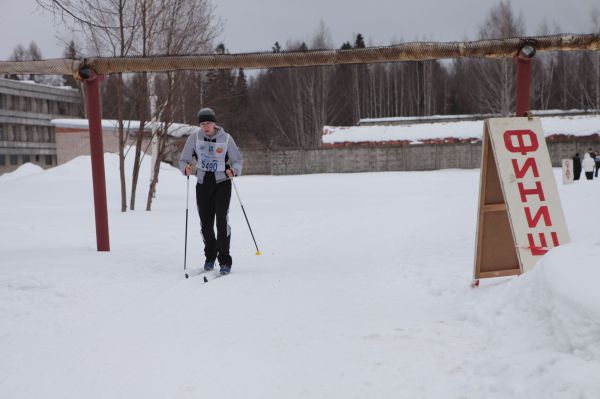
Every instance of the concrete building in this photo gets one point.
(26, 109)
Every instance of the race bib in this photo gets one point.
(211, 156)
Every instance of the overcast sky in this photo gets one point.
(256, 25)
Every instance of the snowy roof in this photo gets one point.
(576, 125)
(436, 118)
(175, 129)
(40, 84)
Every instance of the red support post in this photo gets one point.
(94, 112)
(523, 84)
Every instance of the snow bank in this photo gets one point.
(542, 329)
(571, 275)
(27, 169)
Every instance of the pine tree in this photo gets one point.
(71, 52)
(359, 78)
(242, 117)
(359, 42)
(340, 101)
(219, 91)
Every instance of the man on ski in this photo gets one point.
(218, 160)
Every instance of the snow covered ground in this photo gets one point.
(362, 291)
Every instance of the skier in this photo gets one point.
(218, 160)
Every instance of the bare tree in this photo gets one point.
(110, 27)
(149, 15)
(33, 53)
(185, 27)
(595, 16)
(496, 77)
(138, 27)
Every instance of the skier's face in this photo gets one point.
(208, 128)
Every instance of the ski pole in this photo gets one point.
(187, 200)
(245, 216)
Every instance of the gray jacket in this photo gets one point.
(235, 157)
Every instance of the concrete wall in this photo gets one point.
(387, 158)
(71, 143)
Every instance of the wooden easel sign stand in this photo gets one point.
(520, 217)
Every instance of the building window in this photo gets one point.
(37, 158)
(22, 133)
(26, 158)
(10, 133)
(2, 133)
(14, 160)
(2, 159)
(48, 159)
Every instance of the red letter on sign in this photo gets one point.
(529, 164)
(521, 146)
(541, 249)
(543, 212)
(537, 190)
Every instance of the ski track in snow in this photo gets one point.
(362, 291)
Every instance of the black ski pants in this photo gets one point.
(213, 200)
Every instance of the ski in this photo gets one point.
(219, 275)
(196, 272)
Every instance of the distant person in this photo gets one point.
(597, 162)
(588, 164)
(576, 167)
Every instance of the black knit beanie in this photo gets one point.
(206, 115)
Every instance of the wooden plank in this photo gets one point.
(495, 251)
(494, 207)
(482, 184)
(501, 273)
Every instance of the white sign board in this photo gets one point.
(567, 171)
(530, 191)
